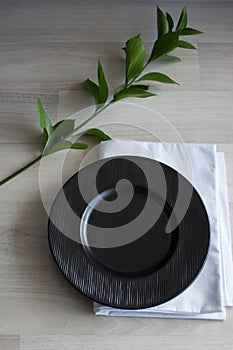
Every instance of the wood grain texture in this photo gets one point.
(18, 115)
(84, 21)
(47, 49)
(48, 45)
(117, 343)
(58, 66)
(191, 116)
(216, 66)
(9, 342)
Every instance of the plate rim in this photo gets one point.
(120, 305)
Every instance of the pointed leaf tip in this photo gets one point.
(103, 86)
(135, 57)
(185, 45)
(93, 89)
(97, 133)
(44, 120)
(170, 21)
(160, 77)
(172, 58)
(162, 23)
(183, 20)
(190, 31)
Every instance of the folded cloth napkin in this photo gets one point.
(212, 290)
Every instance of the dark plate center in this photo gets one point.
(140, 253)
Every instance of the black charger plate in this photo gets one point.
(147, 270)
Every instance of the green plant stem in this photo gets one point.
(76, 129)
(93, 115)
(108, 104)
(132, 81)
(8, 178)
(45, 121)
(21, 170)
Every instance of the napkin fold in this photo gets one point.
(212, 291)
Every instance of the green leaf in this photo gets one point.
(55, 126)
(100, 92)
(98, 133)
(190, 31)
(45, 137)
(58, 147)
(132, 91)
(103, 86)
(182, 23)
(186, 45)
(135, 57)
(164, 45)
(144, 87)
(160, 77)
(172, 58)
(79, 145)
(62, 129)
(61, 145)
(162, 23)
(44, 121)
(93, 88)
(170, 21)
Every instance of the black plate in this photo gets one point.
(148, 269)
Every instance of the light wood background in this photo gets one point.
(47, 48)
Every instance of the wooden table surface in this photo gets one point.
(47, 48)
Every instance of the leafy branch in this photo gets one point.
(56, 137)
(167, 40)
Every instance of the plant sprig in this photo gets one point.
(57, 136)
(135, 58)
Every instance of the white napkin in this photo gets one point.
(212, 290)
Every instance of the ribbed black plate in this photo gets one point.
(148, 270)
